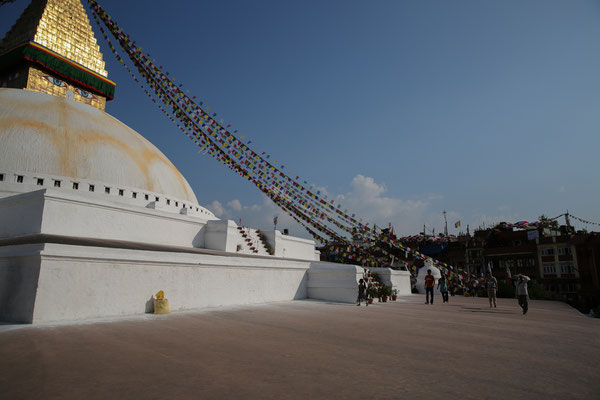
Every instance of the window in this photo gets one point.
(176, 204)
(564, 251)
(1, 177)
(75, 185)
(106, 190)
(134, 195)
(549, 268)
(520, 263)
(19, 178)
(92, 188)
(548, 251)
(183, 205)
(168, 202)
(40, 182)
(510, 263)
(146, 197)
(156, 198)
(121, 192)
(566, 268)
(56, 183)
(531, 262)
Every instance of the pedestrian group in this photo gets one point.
(491, 283)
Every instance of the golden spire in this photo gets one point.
(66, 62)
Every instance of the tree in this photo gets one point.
(552, 224)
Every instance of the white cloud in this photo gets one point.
(255, 215)
(365, 186)
(369, 200)
(217, 208)
(366, 199)
(235, 205)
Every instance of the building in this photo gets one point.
(562, 263)
(587, 253)
(511, 249)
(559, 270)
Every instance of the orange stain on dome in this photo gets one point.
(74, 145)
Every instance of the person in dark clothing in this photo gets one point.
(362, 293)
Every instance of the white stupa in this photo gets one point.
(94, 219)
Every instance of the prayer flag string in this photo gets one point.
(324, 220)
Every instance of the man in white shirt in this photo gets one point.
(492, 285)
(521, 291)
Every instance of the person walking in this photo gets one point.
(491, 283)
(521, 291)
(429, 285)
(362, 292)
(443, 288)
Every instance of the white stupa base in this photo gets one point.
(68, 256)
(53, 282)
(46, 282)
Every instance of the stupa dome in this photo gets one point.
(50, 135)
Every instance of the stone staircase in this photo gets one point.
(265, 242)
(254, 242)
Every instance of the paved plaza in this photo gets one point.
(312, 350)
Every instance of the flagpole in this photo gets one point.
(445, 224)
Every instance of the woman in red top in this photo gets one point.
(429, 284)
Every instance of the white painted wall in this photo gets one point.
(117, 193)
(21, 215)
(334, 282)
(286, 246)
(71, 214)
(399, 280)
(55, 282)
(18, 283)
(77, 282)
(221, 235)
(50, 282)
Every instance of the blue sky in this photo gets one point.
(398, 109)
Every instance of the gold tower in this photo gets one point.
(52, 49)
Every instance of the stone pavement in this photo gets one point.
(312, 350)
